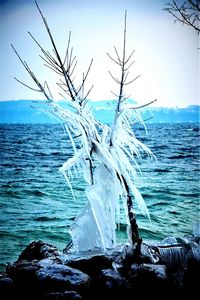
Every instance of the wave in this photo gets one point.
(181, 156)
(35, 193)
(46, 218)
(162, 170)
(195, 195)
(196, 129)
(174, 212)
(149, 234)
(160, 147)
(36, 153)
(55, 153)
(22, 193)
(18, 142)
(11, 193)
(158, 203)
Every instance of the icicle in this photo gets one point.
(70, 137)
(140, 201)
(171, 255)
(69, 184)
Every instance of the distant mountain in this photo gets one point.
(22, 111)
(189, 114)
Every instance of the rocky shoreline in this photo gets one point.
(167, 270)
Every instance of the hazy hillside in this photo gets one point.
(22, 111)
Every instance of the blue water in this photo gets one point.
(36, 203)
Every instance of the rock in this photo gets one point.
(127, 257)
(60, 278)
(47, 262)
(53, 296)
(114, 280)
(23, 274)
(68, 295)
(38, 250)
(92, 265)
(191, 271)
(7, 287)
(149, 254)
(42, 273)
(22, 271)
(123, 260)
(71, 295)
(134, 270)
(158, 272)
(113, 285)
(152, 281)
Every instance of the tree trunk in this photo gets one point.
(134, 232)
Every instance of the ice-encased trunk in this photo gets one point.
(95, 227)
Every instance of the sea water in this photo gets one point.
(36, 203)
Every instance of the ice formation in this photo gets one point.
(104, 166)
(106, 155)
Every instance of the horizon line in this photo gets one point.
(90, 100)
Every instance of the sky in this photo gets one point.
(166, 54)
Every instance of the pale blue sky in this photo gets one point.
(165, 53)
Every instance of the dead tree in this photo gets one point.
(96, 145)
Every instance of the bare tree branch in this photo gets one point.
(88, 93)
(118, 63)
(50, 64)
(41, 88)
(119, 60)
(29, 87)
(67, 50)
(46, 84)
(186, 12)
(144, 105)
(115, 79)
(129, 56)
(84, 78)
(73, 69)
(127, 68)
(126, 83)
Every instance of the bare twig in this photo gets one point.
(26, 85)
(41, 88)
(186, 12)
